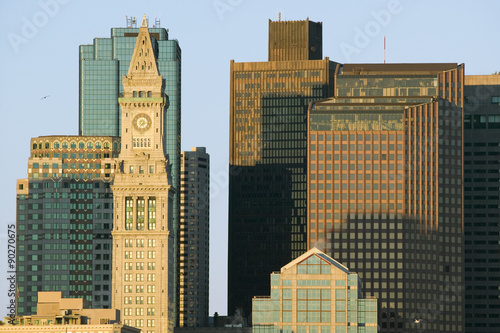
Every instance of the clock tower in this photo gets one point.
(143, 237)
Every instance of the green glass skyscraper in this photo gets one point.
(102, 66)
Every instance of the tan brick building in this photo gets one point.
(64, 315)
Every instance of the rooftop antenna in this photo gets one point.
(157, 22)
(279, 16)
(384, 49)
(131, 21)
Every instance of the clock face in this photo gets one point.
(142, 122)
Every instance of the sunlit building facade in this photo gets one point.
(143, 258)
(482, 203)
(56, 314)
(64, 220)
(385, 188)
(267, 177)
(102, 66)
(104, 63)
(315, 294)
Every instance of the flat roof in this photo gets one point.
(403, 68)
(480, 80)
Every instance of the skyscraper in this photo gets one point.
(194, 238)
(64, 218)
(482, 202)
(143, 199)
(102, 66)
(385, 188)
(267, 177)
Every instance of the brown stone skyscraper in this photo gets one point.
(295, 40)
(143, 239)
(385, 188)
(267, 181)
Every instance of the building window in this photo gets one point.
(152, 213)
(140, 213)
(129, 211)
(480, 121)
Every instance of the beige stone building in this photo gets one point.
(143, 260)
(67, 315)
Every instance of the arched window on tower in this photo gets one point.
(129, 213)
(152, 213)
(140, 213)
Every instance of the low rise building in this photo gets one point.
(314, 294)
(67, 315)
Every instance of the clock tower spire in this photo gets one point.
(143, 236)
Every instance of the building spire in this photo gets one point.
(143, 61)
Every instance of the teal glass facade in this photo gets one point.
(102, 67)
(64, 220)
(314, 294)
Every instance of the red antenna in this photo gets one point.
(384, 49)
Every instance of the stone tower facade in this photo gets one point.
(143, 237)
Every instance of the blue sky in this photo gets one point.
(39, 57)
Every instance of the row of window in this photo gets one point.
(139, 311)
(140, 242)
(151, 266)
(139, 255)
(273, 75)
(139, 289)
(73, 145)
(139, 277)
(359, 137)
(140, 323)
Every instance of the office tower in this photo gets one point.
(194, 238)
(295, 40)
(64, 218)
(102, 66)
(482, 202)
(56, 314)
(385, 188)
(143, 237)
(315, 293)
(267, 176)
